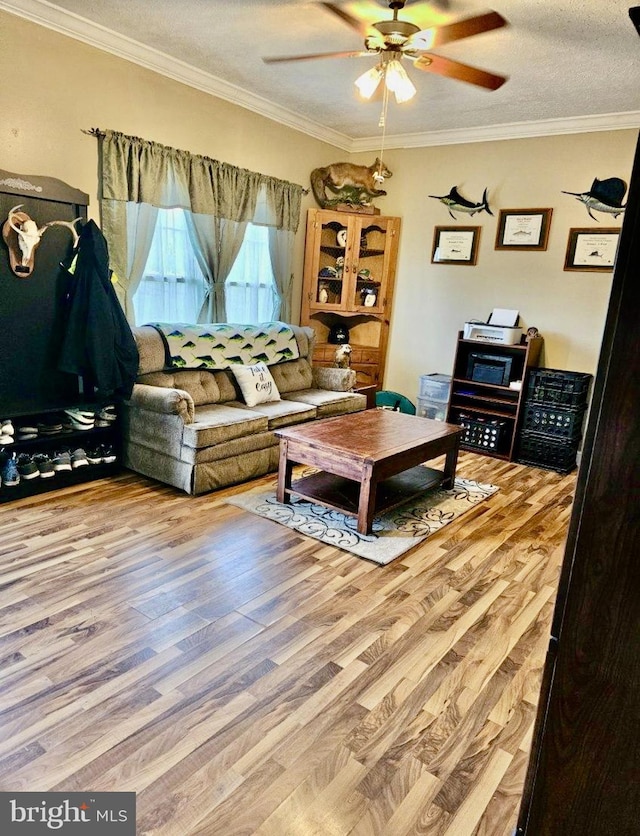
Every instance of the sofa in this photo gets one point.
(191, 427)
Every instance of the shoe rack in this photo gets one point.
(33, 392)
(101, 445)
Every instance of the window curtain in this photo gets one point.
(281, 252)
(219, 200)
(216, 242)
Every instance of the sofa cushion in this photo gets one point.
(256, 384)
(282, 413)
(329, 403)
(218, 423)
(201, 385)
(293, 375)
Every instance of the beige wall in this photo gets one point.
(62, 86)
(432, 302)
(56, 86)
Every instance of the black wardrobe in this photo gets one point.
(33, 313)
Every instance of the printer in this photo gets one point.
(501, 328)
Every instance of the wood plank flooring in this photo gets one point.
(243, 679)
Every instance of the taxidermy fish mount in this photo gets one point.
(456, 203)
(604, 196)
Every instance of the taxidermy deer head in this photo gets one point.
(22, 235)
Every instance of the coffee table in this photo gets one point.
(368, 461)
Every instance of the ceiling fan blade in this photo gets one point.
(278, 59)
(359, 25)
(439, 35)
(462, 72)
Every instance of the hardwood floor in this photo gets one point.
(243, 679)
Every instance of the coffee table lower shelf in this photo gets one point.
(342, 494)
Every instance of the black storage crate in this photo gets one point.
(552, 386)
(546, 451)
(559, 422)
(481, 433)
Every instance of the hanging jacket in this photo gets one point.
(98, 344)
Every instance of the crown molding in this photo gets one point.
(74, 26)
(512, 130)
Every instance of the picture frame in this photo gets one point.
(592, 249)
(455, 245)
(523, 229)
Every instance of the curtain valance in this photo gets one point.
(141, 171)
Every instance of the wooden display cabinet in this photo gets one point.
(349, 274)
(490, 411)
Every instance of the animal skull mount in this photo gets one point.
(22, 235)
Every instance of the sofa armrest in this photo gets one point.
(163, 400)
(336, 380)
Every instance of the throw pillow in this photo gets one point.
(256, 383)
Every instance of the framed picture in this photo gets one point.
(592, 249)
(455, 245)
(523, 229)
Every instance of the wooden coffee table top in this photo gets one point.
(372, 435)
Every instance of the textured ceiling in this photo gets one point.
(564, 58)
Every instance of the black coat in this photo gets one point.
(98, 344)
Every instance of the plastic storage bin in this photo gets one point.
(547, 451)
(434, 387)
(481, 433)
(557, 421)
(552, 386)
(437, 410)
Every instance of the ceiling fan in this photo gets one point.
(395, 39)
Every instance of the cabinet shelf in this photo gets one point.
(492, 401)
(480, 410)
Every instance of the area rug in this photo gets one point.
(394, 532)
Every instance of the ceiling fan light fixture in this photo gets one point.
(368, 82)
(398, 81)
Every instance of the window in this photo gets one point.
(173, 287)
(250, 287)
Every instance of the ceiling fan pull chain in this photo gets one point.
(382, 124)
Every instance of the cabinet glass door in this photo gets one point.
(330, 278)
(370, 263)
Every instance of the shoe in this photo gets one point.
(62, 461)
(80, 416)
(45, 465)
(6, 439)
(9, 473)
(26, 436)
(108, 413)
(108, 455)
(52, 428)
(78, 458)
(77, 426)
(27, 468)
(102, 422)
(6, 427)
(28, 430)
(94, 456)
